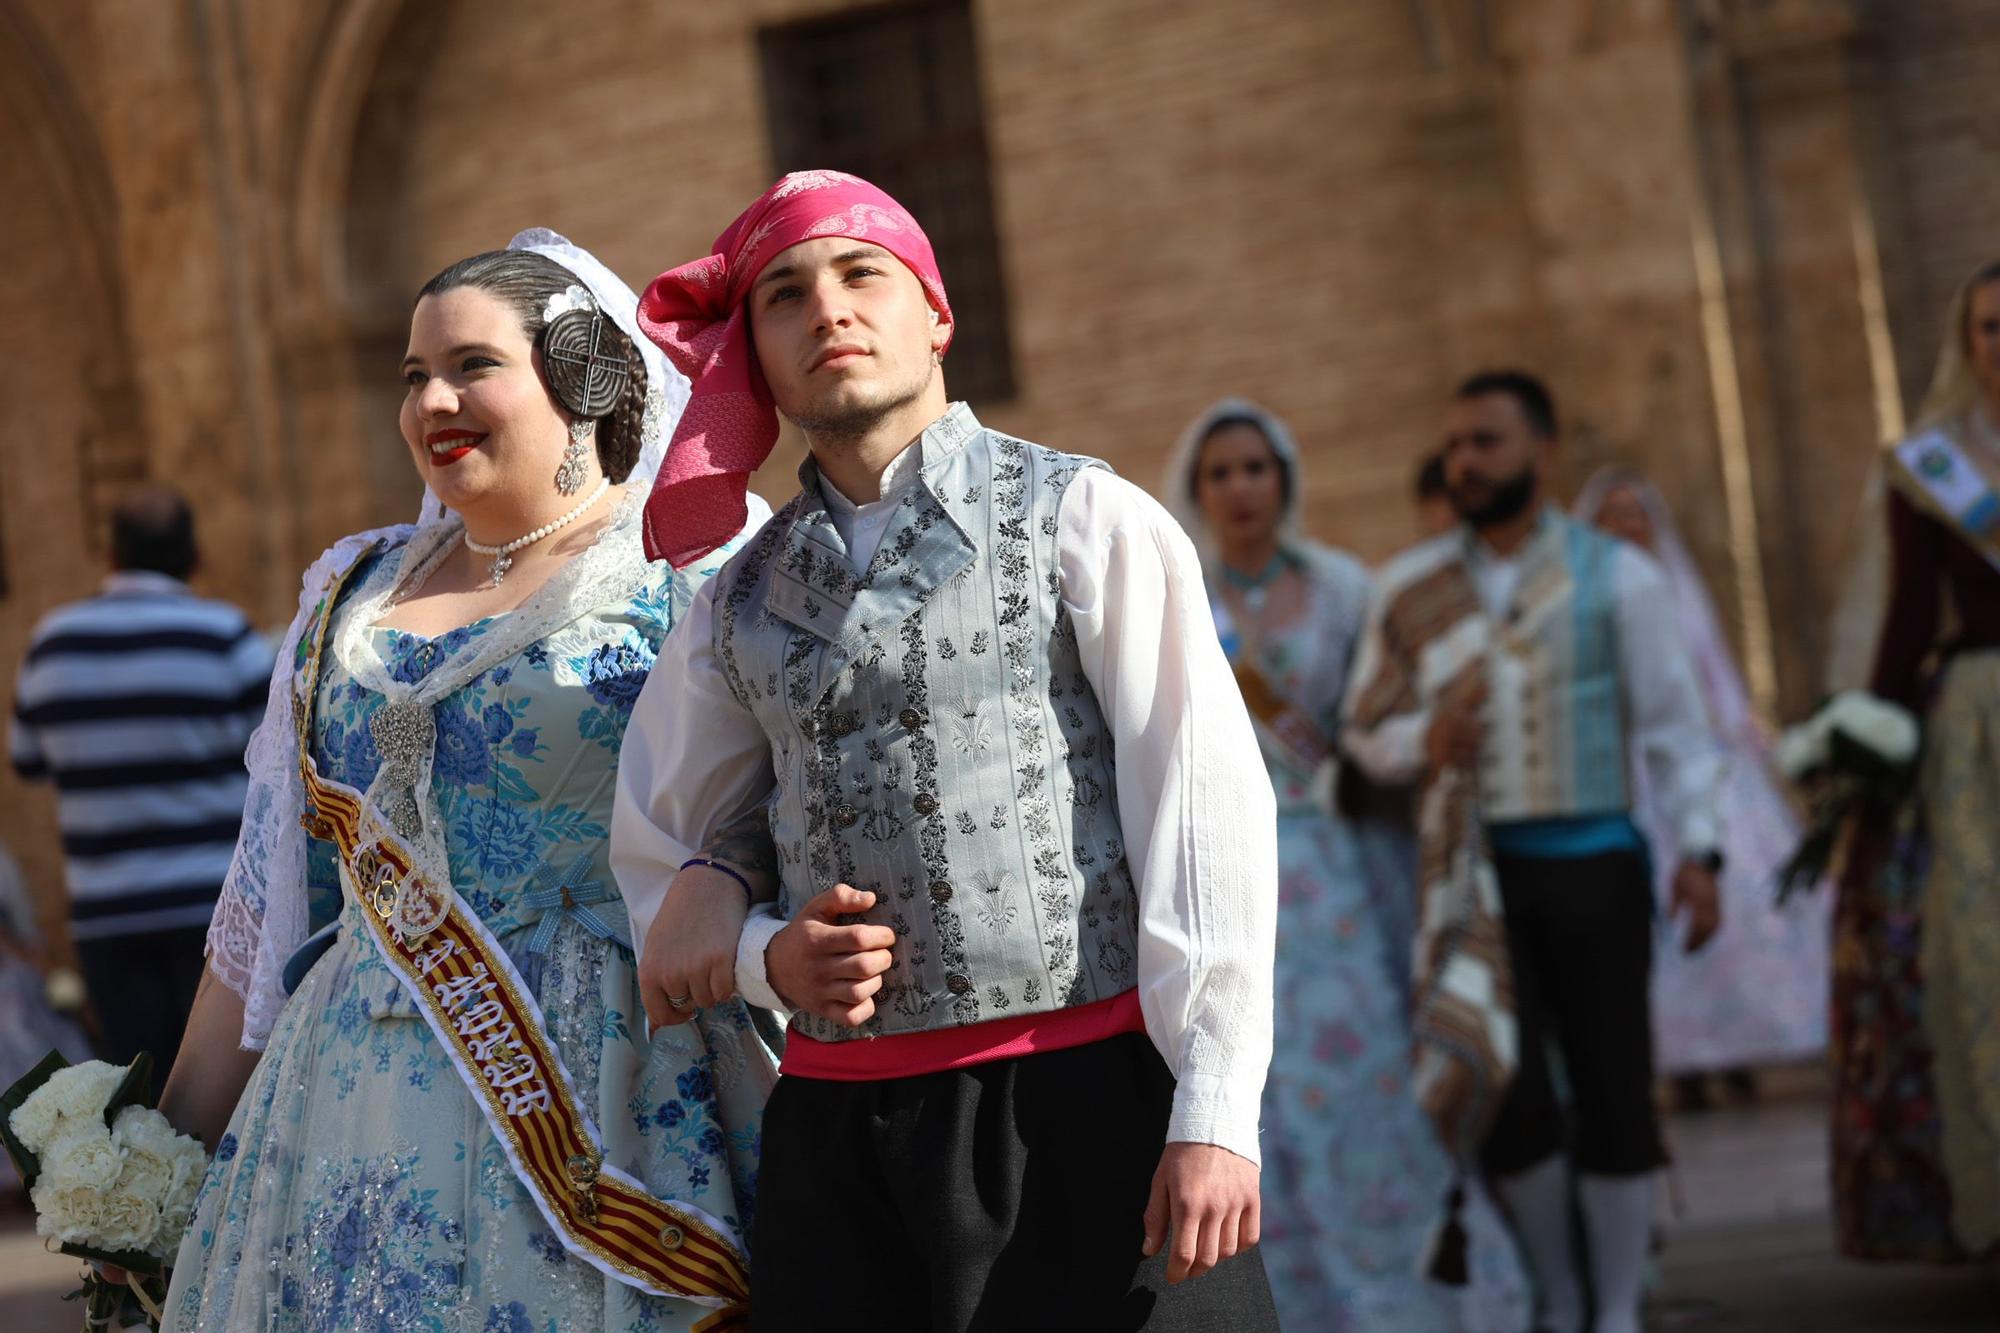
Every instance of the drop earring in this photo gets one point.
(569, 477)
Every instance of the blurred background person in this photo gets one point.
(1520, 667)
(137, 704)
(1916, 1129)
(36, 994)
(1353, 1173)
(1434, 512)
(1757, 995)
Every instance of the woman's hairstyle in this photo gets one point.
(1954, 386)
(525, 281)
(1223, 423)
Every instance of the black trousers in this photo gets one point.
(142, 987)
(1005, 1198)
(1579, 935)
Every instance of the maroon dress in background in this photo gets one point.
(1892, 1199)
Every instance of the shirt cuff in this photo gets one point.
(759, 929)
(1699, 836)
(1208, 1109)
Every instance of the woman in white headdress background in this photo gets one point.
(355, 1180)
(1757, 994)
(1353, 1174)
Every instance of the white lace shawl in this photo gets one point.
(261, 917)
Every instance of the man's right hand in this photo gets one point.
(818, 966)
(1457, 729)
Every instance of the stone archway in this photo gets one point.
(73, 435)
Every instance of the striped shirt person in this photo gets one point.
(137, 705)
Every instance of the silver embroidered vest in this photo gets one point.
(1555, 737)
(935, 739)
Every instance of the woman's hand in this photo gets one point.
(688, 961)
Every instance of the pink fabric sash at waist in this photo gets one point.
(906, 1054)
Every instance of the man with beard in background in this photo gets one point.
(1519, 666)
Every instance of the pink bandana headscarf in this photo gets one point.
(696, 313)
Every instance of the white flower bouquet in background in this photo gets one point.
(1857, 750)
(111, 1181)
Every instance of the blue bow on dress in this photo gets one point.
(567, 893)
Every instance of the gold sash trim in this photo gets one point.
(475, 1003)
(1304, 744)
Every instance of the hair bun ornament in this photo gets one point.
(586, 371)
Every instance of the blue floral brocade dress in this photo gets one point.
(1354, 1177)
(358, 1185)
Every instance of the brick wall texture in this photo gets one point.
(219, 210)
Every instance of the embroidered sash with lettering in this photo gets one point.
(481, 1012)
(1934, 472)
(1305, 745)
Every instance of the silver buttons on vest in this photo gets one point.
(940, 891)
(844, 723)
(910, 718)
(846, 815)
(925, 804)
(958, 983)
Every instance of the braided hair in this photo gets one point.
(525, 281)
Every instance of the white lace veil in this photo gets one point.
(1731, 715)
(666, 388)
(261, 918)
(1177, 482)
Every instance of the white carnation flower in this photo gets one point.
(174, 1223)
(127, 1222)
(143, 1127)
(72, 1096)
(147, 1175)
(190, 1167)
(34, 1121)
(71, 1215)
(85, 1089)
(1806, 747)
(84, 1155)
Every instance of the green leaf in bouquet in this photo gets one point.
(1852, 756)
(132, 1261)
(29, 1165)
(1807, 865)
(135, 1090)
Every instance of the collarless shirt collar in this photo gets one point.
(903, 471)
(130, 581)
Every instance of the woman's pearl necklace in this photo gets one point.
(503, 555)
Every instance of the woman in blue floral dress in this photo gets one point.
(357, 1183)
(1354, 1179)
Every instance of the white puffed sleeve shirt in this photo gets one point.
(1194, 798)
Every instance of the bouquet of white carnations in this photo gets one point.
(1857, 749)
(111, 1180)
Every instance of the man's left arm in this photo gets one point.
(1670, 731)
(24, 741)
(1200, 826)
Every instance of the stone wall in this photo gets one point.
(219, 210)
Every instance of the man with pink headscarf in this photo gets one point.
(1019, 891)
